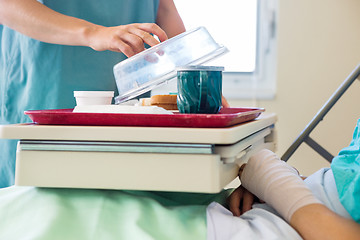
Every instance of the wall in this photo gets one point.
(318, 47)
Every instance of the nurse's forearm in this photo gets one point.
(42, 23)
(169, 19)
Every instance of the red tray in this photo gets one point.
(226, 117)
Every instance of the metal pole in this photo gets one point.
(322, 112)
(319, 149)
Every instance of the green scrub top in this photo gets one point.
(36, 75)
(346, 169)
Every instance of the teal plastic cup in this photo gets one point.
(199, 89)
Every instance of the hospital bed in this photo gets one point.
(78, 171)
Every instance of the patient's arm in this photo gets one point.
(316, 221)
(281, 187)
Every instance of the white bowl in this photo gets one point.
(93, 97)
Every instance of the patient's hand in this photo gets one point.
(240, 201)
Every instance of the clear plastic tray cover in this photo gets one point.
(156, 65)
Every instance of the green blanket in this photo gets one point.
(44, 213)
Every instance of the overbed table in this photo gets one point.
(138, 158)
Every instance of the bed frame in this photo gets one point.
(305, 134)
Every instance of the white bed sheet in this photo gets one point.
(263, 222)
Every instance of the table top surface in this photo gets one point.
(226, 135)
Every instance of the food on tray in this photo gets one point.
(121, 109)
(144, 102)
(167, 101)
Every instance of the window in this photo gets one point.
(248, 29)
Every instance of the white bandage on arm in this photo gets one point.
(276, 183)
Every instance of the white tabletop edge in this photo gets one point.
(227, 135)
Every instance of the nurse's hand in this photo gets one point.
(128, 39)
(34, 19)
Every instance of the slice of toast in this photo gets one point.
(167, 102)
